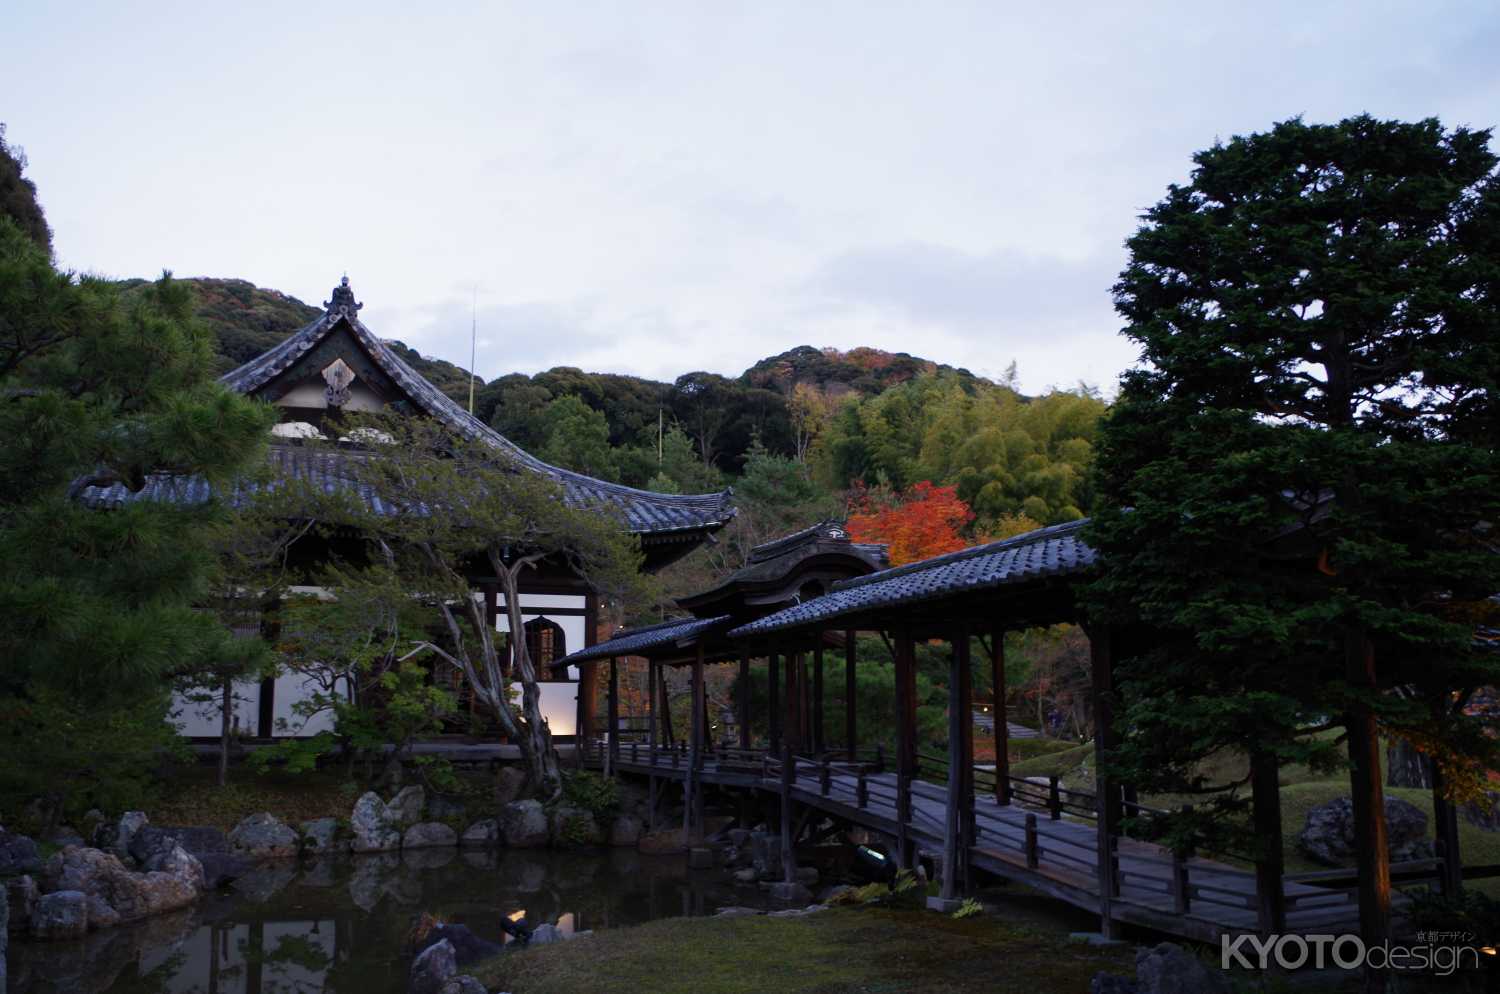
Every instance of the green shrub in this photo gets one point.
(597, 794)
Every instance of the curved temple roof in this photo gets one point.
(1047, 552)
(639, 641)
(644, 511)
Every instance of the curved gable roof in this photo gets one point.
(644, 511)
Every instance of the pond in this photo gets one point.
(341, 925)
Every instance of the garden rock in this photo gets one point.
(467, 947)
(407, 806)
(625, 831)
(209, 846)
(319, 834)
(428, 834)
(432, 968)
(131, 896)
(101, 915)
(63, 914)
(1328, 834)
(375, 828)
(765, 855)
(482, 834)
(575, 827)
(116, 838)
(463, 984)
(545, 934)
(509, 783)
(1171, 969)
(745, 876)
(263, 836)
(66, 835)
(524, 824)
(18, 854)
(21, 895)
(792, 893)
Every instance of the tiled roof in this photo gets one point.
(643, 511)
(1055, 551)
(635, 641)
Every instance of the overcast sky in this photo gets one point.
(657, 188)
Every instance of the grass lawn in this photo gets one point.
(863, 949)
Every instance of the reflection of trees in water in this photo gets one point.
(341, 926)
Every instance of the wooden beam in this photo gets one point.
(851, 740)
(1002, 725)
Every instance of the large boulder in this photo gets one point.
(1328, 833)
(1171, 969)
(765, 855)
(319, 835)
(463, 984)
(574, 828)
(483, 834)
(116, 838)
(509, 783)
(625, 830)
(524, 825)
(408, 804)
(131, 896)
(63, 914)
(467, 947)
(427, 834)
(431, 968)
(375, 829)
(18, 854)
(264, 836)
(544, 935)
(1483, 813)
(152, 845)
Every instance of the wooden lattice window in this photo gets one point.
(546, 643)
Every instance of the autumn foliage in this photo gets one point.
(916, 523)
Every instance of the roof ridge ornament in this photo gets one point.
(343, 303)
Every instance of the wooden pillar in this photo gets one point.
(1108, 798)
(773, 711)
(966, 705)
(817, 699)
(589, 674)
(1270, 891)
(668, 739)
(1445, 830)
(580, 730)
(699, 737)
(651, 744)
(906, 746)
(1002, 725)
(614, 714)
(745, 697)
(851, 740)
(953, 829)
(797, 719)
(790, 743)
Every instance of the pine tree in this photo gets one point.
(99, 603)
(1300, 480)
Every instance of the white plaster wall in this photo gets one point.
(201, 720)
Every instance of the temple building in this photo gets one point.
(337, 364)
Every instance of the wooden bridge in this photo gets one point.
(1043, 838)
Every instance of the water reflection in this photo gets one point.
(340, 925)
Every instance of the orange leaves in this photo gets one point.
(917, 523)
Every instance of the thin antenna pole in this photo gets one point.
(473, 347)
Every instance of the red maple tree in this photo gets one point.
(917, 523)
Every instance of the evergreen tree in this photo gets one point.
(18, 196)
(99, 602)
(1300, 478)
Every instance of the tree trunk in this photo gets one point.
(1372, 857)
(1406, 767)
(226, 716)
(543, 767)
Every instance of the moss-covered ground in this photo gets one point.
(861, 949)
